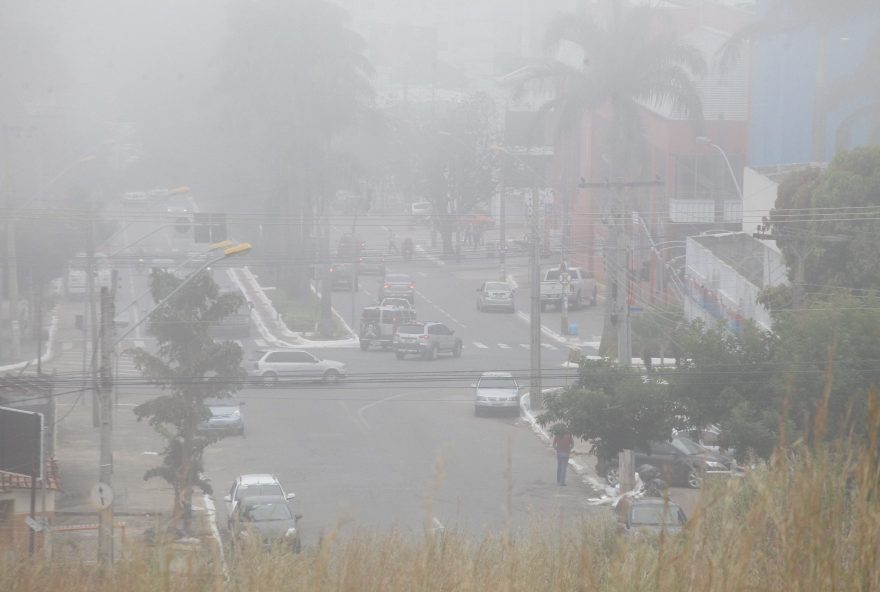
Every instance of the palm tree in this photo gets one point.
(627, 63)
(293, 77)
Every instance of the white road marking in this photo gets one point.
(481, 345)
(422, 274)
(503, 346)
(548, 346)
(429, 256)
(260, 343)
(441, 310)
(524, 345)
(545, 330)
(67, 346)
(360, 412)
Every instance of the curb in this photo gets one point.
(53, 328)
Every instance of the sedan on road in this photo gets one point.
(272, 366)
(397, 285)
(225, 417)
(496, 390)
(266, 517)
(497, 295)
(371, 264)
(252, 484)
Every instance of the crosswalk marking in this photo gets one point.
(67, 345)
(548, 346)
(503, 346)
(260, 343)
(524, 345)
(481, 345)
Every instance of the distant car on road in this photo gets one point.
(343, 275)
(421, 211)
(397, 285)
(371, 264)
(495, 295)
(225, 417)
(649, 515)
(253, 484)
(427, 340)
(399, 303)
(350, 245)
(496, 390)
(273, 366)
(379, 323)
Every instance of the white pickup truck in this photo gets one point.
(581, 290)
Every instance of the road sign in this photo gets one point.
(101, 496)
(565, 278)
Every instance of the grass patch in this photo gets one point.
(303, 316)
(808, 520)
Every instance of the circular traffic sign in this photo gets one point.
(101, 496)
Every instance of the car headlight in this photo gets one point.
(291, 532)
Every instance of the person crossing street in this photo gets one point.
(563, 443)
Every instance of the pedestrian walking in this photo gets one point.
(392, 244)
(563, 443)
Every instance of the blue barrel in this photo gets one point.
(572, 328)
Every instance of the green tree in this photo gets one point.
(824, 216)
(191, 367)
(613, 408)
(631, 61)
(293, 77)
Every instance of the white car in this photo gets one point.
(496, 390)
(272, 366)
(256, 484)
(495, 295)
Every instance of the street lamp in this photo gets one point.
(227, 252)
(705, 140)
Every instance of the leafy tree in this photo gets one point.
(191, 367)
(819, 215)
(613, 408)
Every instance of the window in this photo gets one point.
(301, 358)
(277, 357)
(261, 512)
(411, 329)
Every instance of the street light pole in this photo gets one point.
(705, 140)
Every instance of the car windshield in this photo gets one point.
(687, 445)
(655, 515)
(264, 512)
(260, 489)
(370, 314)
(498, 382)
(411, 329)
(497, 286)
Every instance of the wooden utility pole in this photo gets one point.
(104, 394)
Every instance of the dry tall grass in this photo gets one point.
(808, 520)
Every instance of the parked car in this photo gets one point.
(496, 390)
(371, 264)
(272, 366)
(427, 340)
(266, 517)
(253, 484)
(342, 274)
(398, 285)
(225, 417)
(379, 323)
(495, 295)
(681, 461)
(649, 515)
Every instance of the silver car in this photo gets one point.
(272, 366)
(397, 285)
(225, 417)
(495, 295)
(496, 390)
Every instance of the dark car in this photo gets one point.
(397, 285)
(266, 517)
(649, 515)
(342, 275)
(225, 417)
(681, 462)
(371, 264)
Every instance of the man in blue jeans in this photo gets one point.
(563, 443)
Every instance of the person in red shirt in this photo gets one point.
(563, 443)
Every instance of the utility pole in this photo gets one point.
(617, 290)
(502, 238)
(535, 317)
(93, 318)
(104, 394)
